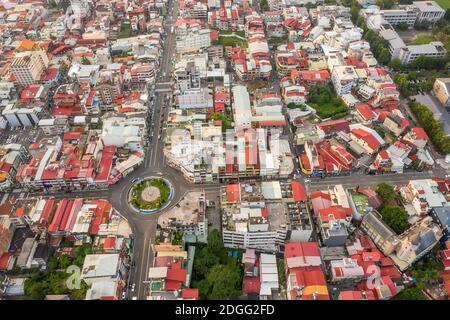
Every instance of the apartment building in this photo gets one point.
(423, 195)
(27, 67)
(191, 36)
(406, 15)
(428, 11)
(344, 78)
(434, 49)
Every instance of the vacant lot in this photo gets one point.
(326, 103)
(423, 39)
(232, 41)
(416, 37)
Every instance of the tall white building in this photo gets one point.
(407, 15)
(433, 50)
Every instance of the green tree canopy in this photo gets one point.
(216, 274)
(385, 192)
(395, 64)
(396, 218)
(413, 293)
(222, 282)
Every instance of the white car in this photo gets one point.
(134, 298)
(132, 287)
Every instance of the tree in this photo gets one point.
(216, 274)
(395, 64)
(413, 293)
(396, 218)
(222, 282)
(354, 11)
(79, 294)
(447, 15)
(385, 192)
(431, 126)
(385, 4)
(403, 84)
(178, 237)
(264, 5)
(215, 243)
(383, 56)
(402, 26)
(64, 261)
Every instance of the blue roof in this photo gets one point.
(426, 240)
(443, 214)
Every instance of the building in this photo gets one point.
(423, 195)
(441, 89)
(189, 216)
(417, 136)
(366, 138)
(416, 242)
(434, 49)
(428, 11)
(260, 274)
(383, 236)
(28, 66)
(262, 215)
(171, 273)
(344, 78)
(406, 15)
(103, 267)
(190, 36)
(305, 279)
(407, 248)
(333, 223)
(441, 216)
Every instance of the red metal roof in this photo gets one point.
(54, 225)
(301, 249)
(172, 285)
(4, 260)
(233, 192)
(251, 285)
(335, 213)
(190, 293)
(298, 191)
(367, 137)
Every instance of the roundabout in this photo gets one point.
(150, 194)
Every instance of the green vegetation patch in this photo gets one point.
(326, 103)
(54, 280)
(444, 4)
(226, 119)
(138, 201)
(424, 39)
(432, 127)
(232, 42)
(125, 30)
(217, 274)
